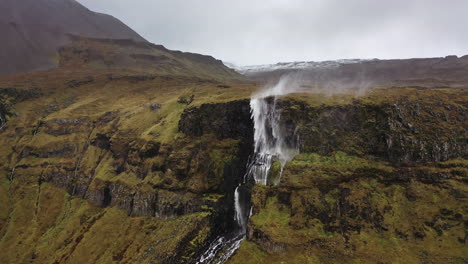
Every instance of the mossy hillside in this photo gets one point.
(309, 214)
(250, 253)
(308, 169)
(196, 165)
(383, 95)
(50, 226)
(86, 135)
(382, 215)
(129, 154)
(101, 99)
(6, 109)
(42, 213)
(5, 205)
(9, 97)
(47, 225)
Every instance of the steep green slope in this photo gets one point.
(105, 165)
(94, 169)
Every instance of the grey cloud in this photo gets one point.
(257, 32)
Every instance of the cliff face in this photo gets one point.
(90, 174)
(380, 179)
(419, 125)
(107, 165)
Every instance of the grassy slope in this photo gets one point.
(43, 223)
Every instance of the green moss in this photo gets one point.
(105, 170)
(309, 169)
(222, 153)
(395, 221)
(273, 217)
(197, 243)
(5, 204)
(213, 197)
(275, 173)
(338, 160)
(248, 253)
(167, 119)
(462, 163)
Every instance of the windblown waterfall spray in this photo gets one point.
(239, 213)
(273, 142)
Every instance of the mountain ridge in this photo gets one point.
(449, 71)
(307, 65)
(33, 33)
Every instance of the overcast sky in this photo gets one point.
(269, 31)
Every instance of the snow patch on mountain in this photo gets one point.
(297, 65)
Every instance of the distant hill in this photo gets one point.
(32, 30)
(295, 65)
(450, 71)
(143, 57)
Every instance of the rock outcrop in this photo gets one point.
(403, 131)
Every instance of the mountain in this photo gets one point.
(32, 30)
(450, 71)
(143, 57)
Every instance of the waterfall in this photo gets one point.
(273, 142)
(2, 121)
(239, 214)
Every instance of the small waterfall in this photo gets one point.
(239, 214)
(225, 245)
(2, 121)
(273, 142)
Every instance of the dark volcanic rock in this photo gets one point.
(225, 120)
(400, 132)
